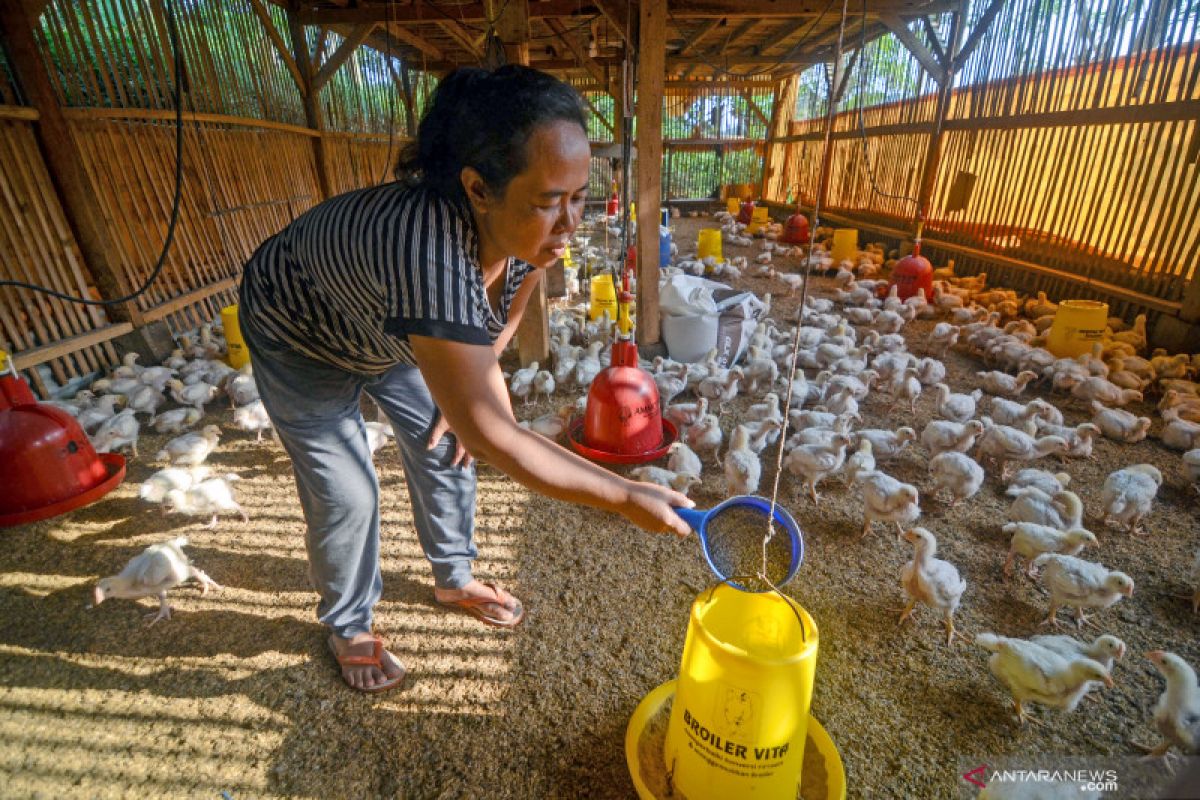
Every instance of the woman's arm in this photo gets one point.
(467, 385)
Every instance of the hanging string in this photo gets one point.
(787, 404)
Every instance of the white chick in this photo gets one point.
(102, 410)
(908, 387)
(706, 436)
(685, 414)
(942, 436)
(930, 581)
(117, 433)
(886, 499)
(378, 434)
(1003, 384)
(767, 409)
(1128, 495)
(155, 571)
(930, 371)
(155, 488)
(1009, 412)
(191, 449)
(1080, 439)
(1080, 584)
(551, 425)
(1029, 540)
(681, 482)
(861, 460)
(1049, 482)
(145, 399)
(252, 418)
(956, 407)
(887, 445)
(956, 473)
(1062, 510)
(1105, 649)
(743, 470)
(670, 385)
(1118, 424)
(812, 462)
(1035, 674)
(1095, 387)
(195, 395)
(209, 497)
(521, 385)
(543, 385)
(177, 420)
(1004, 444)
(683, 459)
(241, 388)
(1177, 712)
(720, 389)
(942, 338)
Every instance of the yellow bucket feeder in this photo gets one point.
(1078, 324)
(845, 244)
(235, 346)
(733, 205)
(604, 297)
(758, 220)
(709, 244)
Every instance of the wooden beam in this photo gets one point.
(981, 28)
(414, 40)
(781, 34)
(594, 70)
(169, 307)
(900, 28)
(652, 51)
(934, 41)
(615, 13)
(512, 26)
(748, 96)
(695, 39)
(598, 115)
(737, 33)
(462, 37)
(840, 90)
(933, 150)
(312, 108)
(25, 359)
(285, 55)
(783, 111)
(341, 55)
(65, 163)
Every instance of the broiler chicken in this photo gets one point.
(1080, 439)
(1128, 495)
(706, 436)
(931, 581)
(743, 470)
(1080, 584)
(942, 338)
(886, 499)
(155, 488)
(191, 449)
(1105, 649)
(686, 414)
(1118, 424)
(1096, 388)
(521, 384)
(679, 481)
(887, 445)
(1062, 510)
(1003, 384)
(117, 433)
(241, 388)
(252, 418)
(153, 572)
(1035, 674)
(682, 459)
(196, 394)
(861, 460)
(1029, 540)
(210, 497)
(1004, 444)
(1049, 482)
(956, 407)
(177, 420)
(1177, 712)
(941, 436)
(813, 462)
(956, 473)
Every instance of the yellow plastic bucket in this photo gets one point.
(740, 716)
(733, 205)
(709, 244)
(236, 353)
(1078, 324)
(566, 257)
(759, 219)
(845, 244)
(604, 297)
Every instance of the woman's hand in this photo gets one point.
(650, 508)
(440, 428)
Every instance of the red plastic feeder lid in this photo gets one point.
(575, 436)
(114, 464)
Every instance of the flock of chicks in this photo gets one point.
(851, 344)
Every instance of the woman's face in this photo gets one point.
(542, 205)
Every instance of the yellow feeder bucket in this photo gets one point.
(759, 219)
(845, 244)
(236, 353)
(604, 297)
(709, 244)
(1078, 324)
(740, 716)
(733, 205)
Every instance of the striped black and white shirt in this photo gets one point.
(347, 281)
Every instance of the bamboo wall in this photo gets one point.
(1076, 131)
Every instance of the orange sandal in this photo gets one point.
(373, 660)
(475, 607)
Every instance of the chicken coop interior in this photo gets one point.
(921, 276)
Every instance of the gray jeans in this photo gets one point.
(315, 410)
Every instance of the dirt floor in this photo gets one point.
(237, 696)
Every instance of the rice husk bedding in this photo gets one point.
(238, 693)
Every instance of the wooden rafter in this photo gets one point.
(599, 116)
(914, 45)
(781, 34)
(614, 12)
(934, 42)
(748, 96)
(276, 39)
(461, 36)
(703, 31)
(581, 57)
(981, 28)
(738, 33)
(415, 40)
(341, 55)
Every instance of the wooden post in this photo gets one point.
(933, 150)
(312, 109)
(64, 162)
(782, 114)
(652, 63)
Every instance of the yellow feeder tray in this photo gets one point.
(653, 705)
(758, 220)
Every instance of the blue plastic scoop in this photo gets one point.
(732, 535)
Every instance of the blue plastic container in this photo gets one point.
(664, 246)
